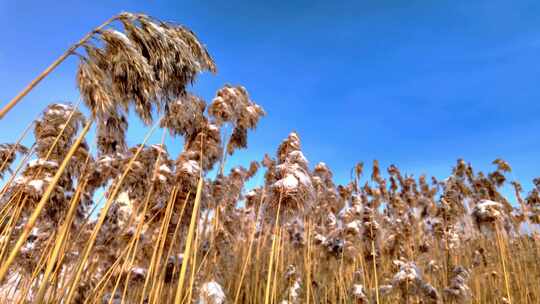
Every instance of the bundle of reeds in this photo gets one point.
(167, 231)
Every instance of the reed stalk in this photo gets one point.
(101, 219)
(59, 243)
(44, 199)
(189, 241)
(50, 68)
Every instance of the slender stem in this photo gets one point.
(503, 263)
(58, 244)
(90, 243)
(49, 152)
(248, 256)
(37, 211)
(13, 150)
(189, 240)
(275, 238)
(49, 69)
(373, 253)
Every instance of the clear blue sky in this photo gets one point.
(415, 83)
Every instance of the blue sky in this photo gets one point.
(415, 83)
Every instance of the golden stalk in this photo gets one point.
(193, 268)
(41, 262)
(139, 226)
(19, 166)
(49, 69)
(49, 152)
(13, 149)
(503, 263)
(189, 240)
(9, 228)
(248, 256)
(308, 262)
(277, 263)
(44, 199)
(150, 277)
(133, 250)
(128, 262)
(177, 227)
(272, 254)
(105, 278)
(162, 272)
(154, 275)
(373, 254)
(101, 219)
(59, 242)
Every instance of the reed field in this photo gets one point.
(165, 230)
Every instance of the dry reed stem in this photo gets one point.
(274, 279)
(49, 69)
(161, 241)
(101, 284)
(375, 276)
(132, 248)
(18, 142)
(323, 281)
(42, 262)
(248, 256)
(193, 268)
(23, 161)
(169, 251)
(272, 254)
(189, 240)
(37, 211)
(59, 243)
(49, 152)
(502, 256)
(152, 267)
(102, 216)
(11, 224)
(178, 224)
(140, 224)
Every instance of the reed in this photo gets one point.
(169, 230)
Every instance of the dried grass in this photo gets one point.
(298, 238)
